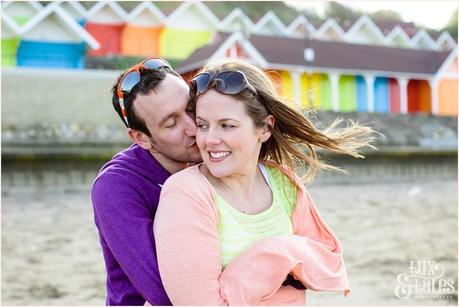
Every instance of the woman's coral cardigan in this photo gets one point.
(188, 250)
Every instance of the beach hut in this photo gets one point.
(300, 27)
(21, 11)
(445, 87)
(398, 38)
(105, 22)
(364, 31)
(141, 35)
(235, 21)
(190, 26)
(330, 31)
(422, 40)
(368, 79)
(270, 24)
(445, 42)
(76, 10)
(53, 39)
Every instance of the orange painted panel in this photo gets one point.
(448, 97)
(140, 41)
(425, 97)
(419, 96)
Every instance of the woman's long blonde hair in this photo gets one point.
(294, 139)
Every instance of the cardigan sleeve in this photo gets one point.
(188, 252)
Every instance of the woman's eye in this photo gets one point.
(201, 126)
(227, 126)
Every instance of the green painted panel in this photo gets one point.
(179, 44)
(9, 51)
(324, 100)
(347, 94)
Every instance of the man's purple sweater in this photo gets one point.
(125, 196)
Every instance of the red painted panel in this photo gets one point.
(413, 96)
(108, 36)
(394, 96)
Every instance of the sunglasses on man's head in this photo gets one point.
(132, 78)
(229, 82)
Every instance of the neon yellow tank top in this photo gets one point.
(238, 231)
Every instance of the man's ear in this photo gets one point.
(140, 138)
(266, 131)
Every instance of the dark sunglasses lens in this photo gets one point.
(230, 82)
(201, 82)
(155, 63)
(129, 81)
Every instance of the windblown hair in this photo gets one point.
(294, 140)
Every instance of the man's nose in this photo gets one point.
(190, 126)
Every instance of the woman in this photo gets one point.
(240, 228)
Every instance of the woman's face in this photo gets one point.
(227, 138)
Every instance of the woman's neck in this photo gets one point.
(242, 185)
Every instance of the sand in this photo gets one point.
(51, 254)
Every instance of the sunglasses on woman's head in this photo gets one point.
(132, 78)
(230, 82)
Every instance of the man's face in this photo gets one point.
(172, 129)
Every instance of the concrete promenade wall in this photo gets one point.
(70, 112)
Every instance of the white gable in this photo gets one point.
(193, 16)
(74, 9)
(364, 31)
(398, 38)
(106, 12)
(236, 21)
(270, 24)
(422, 40)
(52, 29)
(21, 8)
(146, 14)
(445, 42)
(330, 30)
(300, 27)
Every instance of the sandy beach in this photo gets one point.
(51, 254)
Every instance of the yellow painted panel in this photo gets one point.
(179, 44)
(287, 90)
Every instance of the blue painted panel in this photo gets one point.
(381, 86)
(362, 104)
(50, 54)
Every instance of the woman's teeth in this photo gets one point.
(217, 155)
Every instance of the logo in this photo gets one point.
(424, 280)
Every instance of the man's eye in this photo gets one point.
(171, 124)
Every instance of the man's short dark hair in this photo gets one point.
(149, 81)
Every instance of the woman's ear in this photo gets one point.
(140, 138)
(266, 130)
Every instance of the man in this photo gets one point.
(151, 100)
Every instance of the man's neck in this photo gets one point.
(170, 165)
